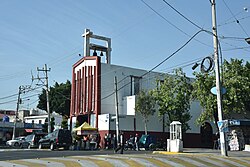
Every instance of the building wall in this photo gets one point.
(129, 82)
(85, 93)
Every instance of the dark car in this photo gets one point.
(58, 138)
(148, 142)
(31, 141)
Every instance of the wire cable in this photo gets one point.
(196, 25)
(237, 21)
(173, 24)
(173, 53)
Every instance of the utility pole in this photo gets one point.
(20, 91)
(116, 112)
(46, 84)
(17, 108)
(217, 73)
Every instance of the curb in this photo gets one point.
(182, 153)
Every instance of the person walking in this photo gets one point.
(121, 144)
(137, 142)
(114, 142)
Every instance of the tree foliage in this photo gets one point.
(173, 96)
(145, 105)
(59, 98)
(236, 77)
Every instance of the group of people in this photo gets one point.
(89, 142)
(118, 144)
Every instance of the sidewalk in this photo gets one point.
(204, 151)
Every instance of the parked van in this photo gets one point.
(58, 138)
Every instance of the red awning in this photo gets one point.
(29, 130)
(32, 130)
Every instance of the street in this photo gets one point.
(190, 157)
(14, 154)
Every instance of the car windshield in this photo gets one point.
(19, 138)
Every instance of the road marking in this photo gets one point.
(165, 160)
(221, 160)
(66, 162)
(26, 163)
(144, 162)
(192, 161)
(180, 161)
(47, 163)
(96, 161)
(240, 161)
(210, 162)
(125, 159)
(158, 162)
(83, 162)
(8, 164)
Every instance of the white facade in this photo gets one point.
(93, 99)
(127, 82)
(41, 119)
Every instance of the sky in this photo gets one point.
(143, 33)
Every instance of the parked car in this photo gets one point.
(31, 141)
(58, 138)
(148, 142)
(16, 142)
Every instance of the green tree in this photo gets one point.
(236, 100)
(173, 97)
(145, 105)
(59, 98)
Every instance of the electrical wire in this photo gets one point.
(234, 21)
(173, 53)
(6, 97)
(180, 48)
(164, 18)
(196, 25)
(237, 21)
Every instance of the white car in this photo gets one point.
(16, 142)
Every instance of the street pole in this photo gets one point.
(17, 108)
(217, 73)
(47, 96)
(116, 112)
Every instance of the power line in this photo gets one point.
(173, 24)
(6, 97)
(196, 25)
(234, 21)
(173, 53)
(159, 63)
(237, 21)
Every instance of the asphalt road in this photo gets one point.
(17, 154)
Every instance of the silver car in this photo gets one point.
(16, 142)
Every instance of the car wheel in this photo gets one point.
(52, 146)
(16, 144)
(152, 147)
(66, 148)
(40, 146)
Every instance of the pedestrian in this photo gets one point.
(105, 141)
(114, 142)
(137, 142)
(120, 144)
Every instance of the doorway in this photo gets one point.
(206, 135)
